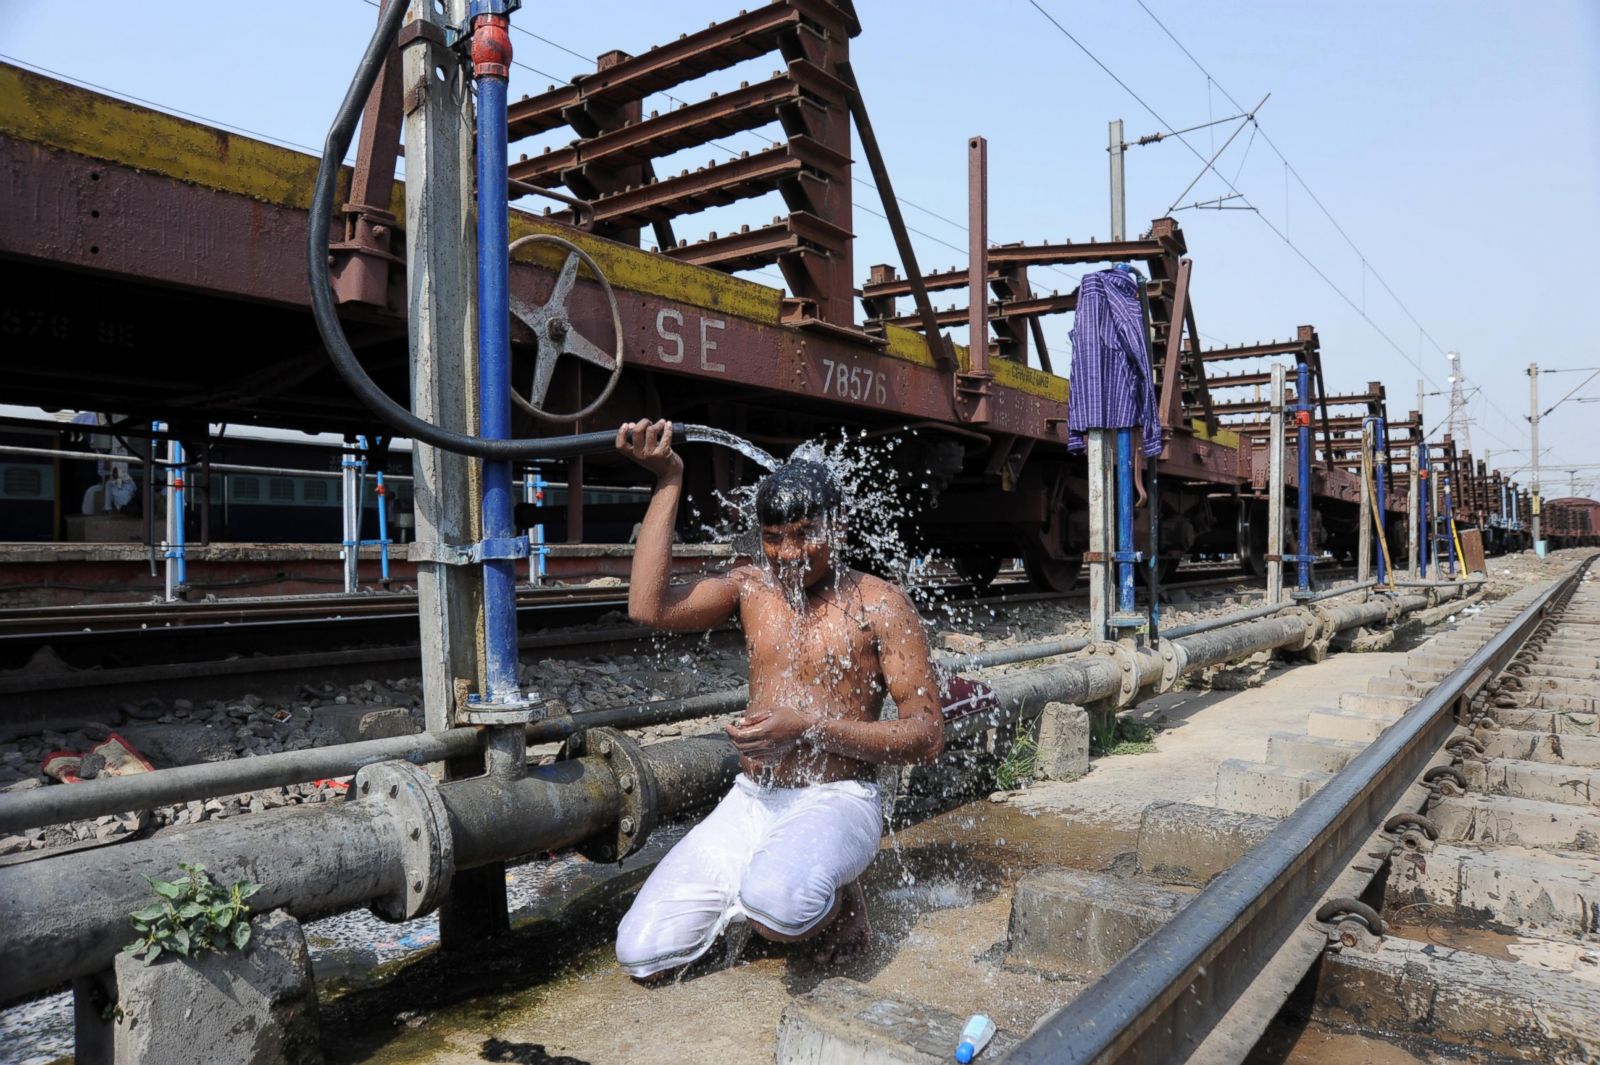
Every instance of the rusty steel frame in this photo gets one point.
(814, 98)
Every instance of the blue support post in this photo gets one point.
(383, 527)
(1125, 553)
(1381, 462)
(178, 473)
(1302, 419)
(533, 493)
(494, 383)
(381, 492)
(1424, 543)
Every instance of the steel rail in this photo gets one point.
(1160, 1001)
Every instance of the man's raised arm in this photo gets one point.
(703, 603)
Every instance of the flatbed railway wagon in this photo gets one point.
(155, 266)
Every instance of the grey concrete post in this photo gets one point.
(1275, 490)
(1119, 208)
(1101, 525)
(1413, 499)
(440, 253)
(1535, 509)
(1364, 551)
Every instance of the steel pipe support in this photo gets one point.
(397, 842)
(310, 860)
(114, 795)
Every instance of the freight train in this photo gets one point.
(615, 316)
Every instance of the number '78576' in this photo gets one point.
(854, 382)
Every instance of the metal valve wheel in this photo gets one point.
(555, 336)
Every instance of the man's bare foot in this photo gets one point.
(850, 934)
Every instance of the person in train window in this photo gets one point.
(785, 849)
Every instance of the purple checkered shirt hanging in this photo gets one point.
(1111, 382)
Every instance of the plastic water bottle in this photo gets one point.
(974, 1037)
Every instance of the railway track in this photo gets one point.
(1439, 888)
(122, 654)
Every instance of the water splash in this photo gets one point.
(706, 434)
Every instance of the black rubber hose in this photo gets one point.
(322, 307)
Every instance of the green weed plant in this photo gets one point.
(1020, 763)
(192, 914)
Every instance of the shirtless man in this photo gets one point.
(784, 849)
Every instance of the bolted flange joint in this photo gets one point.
(637, 791)
(510, 709)
(419, 826)
(1127, 660)
(1173, 662)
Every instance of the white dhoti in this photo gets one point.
(777, 856)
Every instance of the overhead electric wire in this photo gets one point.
(1280, 234)
(1569, 395)
(130, 97)
(1290, 168)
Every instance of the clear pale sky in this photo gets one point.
(1457, 144)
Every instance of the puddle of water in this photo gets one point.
(556, 986)
(1289, 1044)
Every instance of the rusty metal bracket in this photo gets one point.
(1354, 925)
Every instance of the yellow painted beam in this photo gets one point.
(55, 114)
(52, 113)
(652, 273)
(1225, 437)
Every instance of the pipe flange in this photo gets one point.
(421, 826)
(1318, 635)
(636, 793)
(1173, 661)
(1127, 660)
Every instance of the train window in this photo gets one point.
(280, 490)
(316, 491)
(245, 489)
(23, 482)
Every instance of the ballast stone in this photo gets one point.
(252, 1007)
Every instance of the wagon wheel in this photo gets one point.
(555, 336)
(1051, 574)
(979, 570)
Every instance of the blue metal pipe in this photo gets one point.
(1302, 418)
(383, 526)
(382, 542)
(1125, 521)
(534, 485)
(1381, 432)
(179, 472)
(494, 383)
(1424, 533)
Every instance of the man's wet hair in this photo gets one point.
(799, 490)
